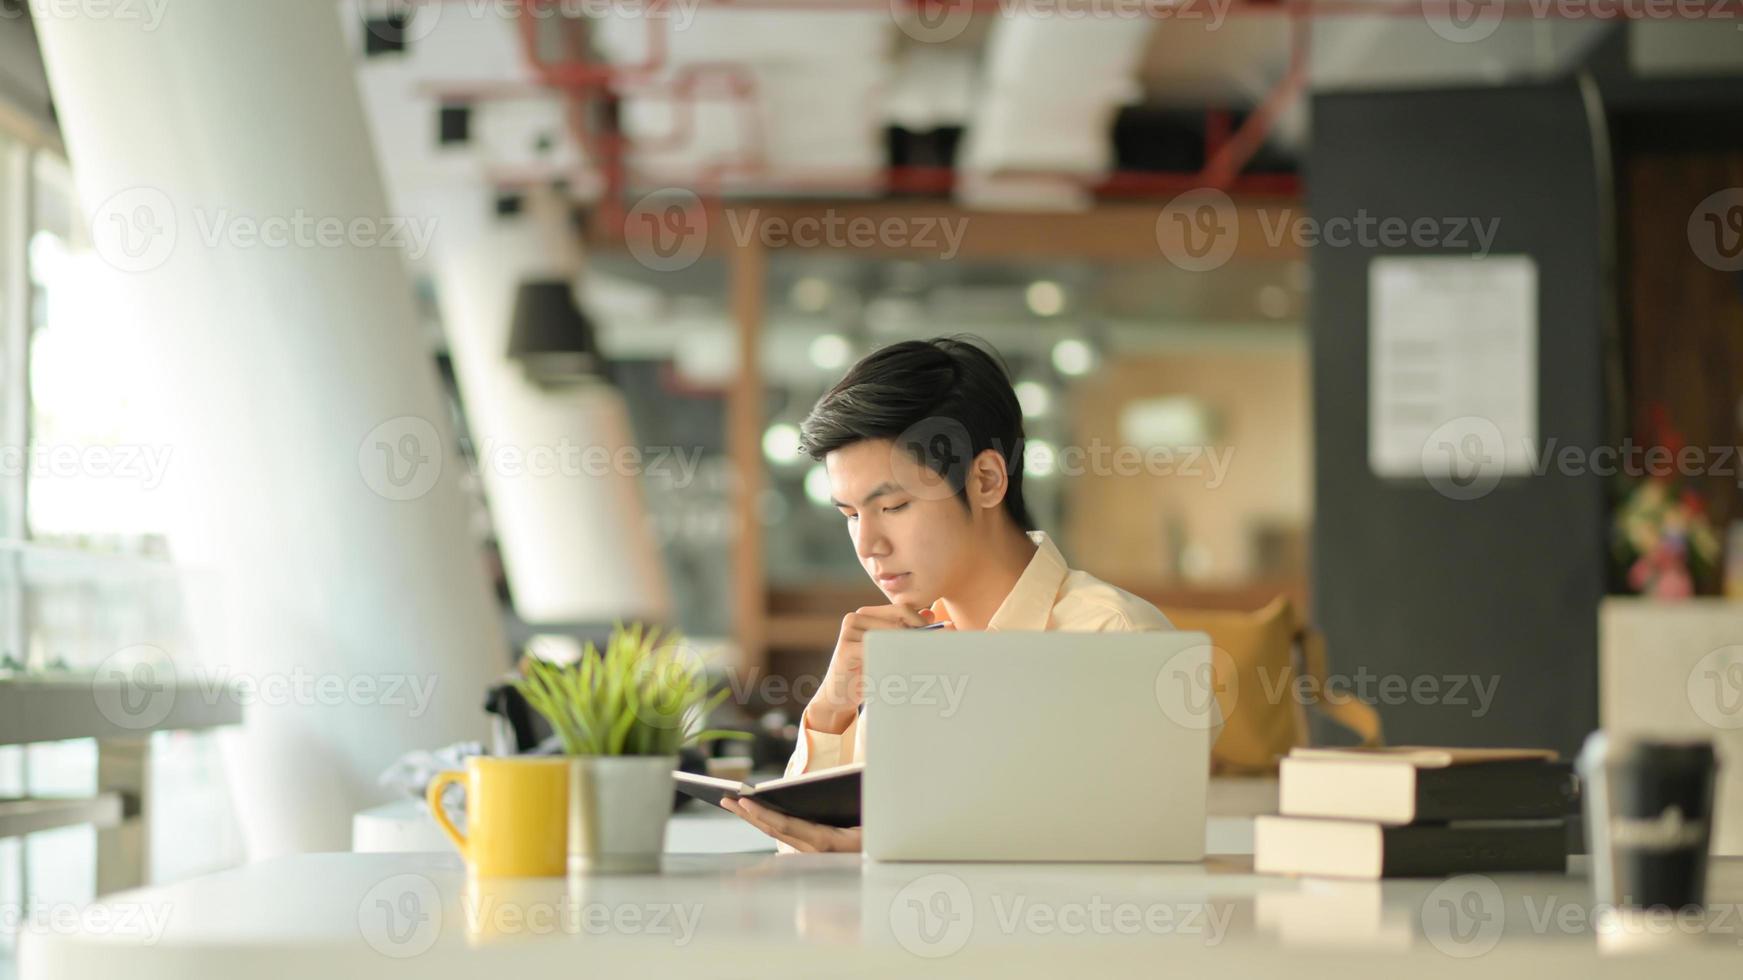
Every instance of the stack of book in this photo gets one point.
(1409, 811)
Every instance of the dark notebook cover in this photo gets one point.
(1364, 849)
(1419, 850)
(1529, 789)
(828, 797)
(1497, 791)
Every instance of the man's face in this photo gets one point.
(912, 534)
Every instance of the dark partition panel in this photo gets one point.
(1472, 622)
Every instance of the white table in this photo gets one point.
(404, 825)
(331, 916)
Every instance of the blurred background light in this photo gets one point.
(1044, 297)
(830, 351)
(1034, 397)
(1073, 357)
(817, 488)
(781, 444)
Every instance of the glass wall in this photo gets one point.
(97, 457)
(84, 567)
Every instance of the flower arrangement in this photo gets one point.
(1662, 536)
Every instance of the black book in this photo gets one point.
(1366, 849)
(828, 796)
(1426, 786)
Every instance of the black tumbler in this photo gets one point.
(1649, 817)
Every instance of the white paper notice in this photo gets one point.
(1452, 370)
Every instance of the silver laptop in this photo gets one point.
(1036, 746)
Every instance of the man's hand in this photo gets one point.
(837, 700)
(800, 835)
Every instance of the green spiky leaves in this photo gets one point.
(645, 695)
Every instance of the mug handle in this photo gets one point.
(433, 797)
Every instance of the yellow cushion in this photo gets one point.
(1256, 670)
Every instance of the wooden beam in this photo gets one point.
(744, 428)
(941, 231)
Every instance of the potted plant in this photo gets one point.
(622, 716)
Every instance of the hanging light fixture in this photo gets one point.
(554, 341)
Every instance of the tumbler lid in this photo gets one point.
(1611, 750)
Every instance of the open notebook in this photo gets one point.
(828, 796)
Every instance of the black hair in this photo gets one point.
(946, 400)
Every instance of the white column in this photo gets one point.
(222, 153)
(560, 466)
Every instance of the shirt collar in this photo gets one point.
(1030, 602)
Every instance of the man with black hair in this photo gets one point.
(923, 444)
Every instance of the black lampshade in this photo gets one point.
(454, 124)
(550, 336)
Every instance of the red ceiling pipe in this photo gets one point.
(685, 90)
(1216, 131)
(592, 111)
(1232, 156)
(610, 150)
(1592, 9)
(933, 180)
(740, 86)
(585, 80)
(586, 74)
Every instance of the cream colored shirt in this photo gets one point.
(1048, 596)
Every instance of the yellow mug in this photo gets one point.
(517, 815)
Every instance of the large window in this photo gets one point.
(97, 456)
(83, 558)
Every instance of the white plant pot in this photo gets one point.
(618, 808)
